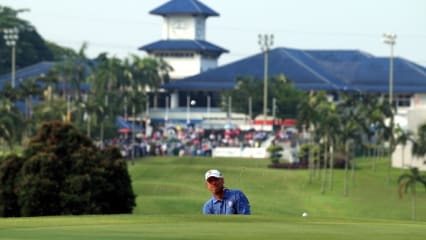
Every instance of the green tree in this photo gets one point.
(10, 122)
(376, 112)
(60, 52)
(30, 48)
(153, 72)
(308, 120)
(28, 92)
(327, 122)
(419, 143)
(286, 95)
(402, 137)
(407, 181)
(9, 167)
(55, 109)
(351, 129)
(106, 90)
(275, 153)
(246, 88)
(62, 172)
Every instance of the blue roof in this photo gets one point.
(120, 122)
(296, 65)
(348, 70)
(184, 7)
(35, 70)
(183, 45)
(371, 74)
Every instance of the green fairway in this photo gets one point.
(205, 227)
(171, 193)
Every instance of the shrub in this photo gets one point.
(62, 172)
(9, 167)
(275, 153)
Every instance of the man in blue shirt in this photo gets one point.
(224, 200)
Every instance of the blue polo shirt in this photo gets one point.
(233, 202)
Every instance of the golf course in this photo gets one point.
(171, 192)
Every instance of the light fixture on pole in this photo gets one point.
(390, 38)
(166, 114)
(208, 107)
(11, 37)
(250, 111)
(188, 110)
(189, 103)
(265, 42)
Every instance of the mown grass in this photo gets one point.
(171, 193)
(176, 186)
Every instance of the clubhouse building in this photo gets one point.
(193, 94)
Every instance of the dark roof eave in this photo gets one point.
(150, 51)
(165, 14)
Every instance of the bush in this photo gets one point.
(275, 153)
(62, 172)
(9, 167)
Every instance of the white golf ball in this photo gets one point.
(305, 214)
(193, 102)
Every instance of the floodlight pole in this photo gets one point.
(208, 108)
(390, 38)
(250, 113)
(166, 116)
(188, 110)
(265, 42)
(11, 36)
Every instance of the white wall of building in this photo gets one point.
(184, 67)
(183, 27)
(240, 152)
(415, 116)
(418, 99)
(207, 64)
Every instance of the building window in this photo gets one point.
(175, 54)
(403, 100)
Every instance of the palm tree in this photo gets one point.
(80, 69)
(351, 128)
(308, 119)
(49, 81)
(106, 83)
(10, 121)
(407, 181)
(154, 71)
(326, 118)
(94, 111)
(55, 109)
(376, 112)
(9, 18)
(29, 90)
(419, 143)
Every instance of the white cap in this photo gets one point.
(213, 173)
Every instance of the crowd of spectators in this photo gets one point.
(188, 141)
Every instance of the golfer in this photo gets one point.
(224, 200)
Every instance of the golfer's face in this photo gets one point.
(214, 184)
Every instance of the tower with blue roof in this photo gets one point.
(183, 45)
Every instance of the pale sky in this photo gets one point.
(120, 27)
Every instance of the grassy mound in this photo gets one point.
(171, 193)
(176, 186)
